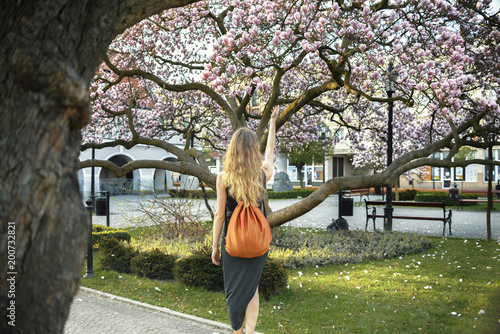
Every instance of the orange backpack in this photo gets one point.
(248, 232)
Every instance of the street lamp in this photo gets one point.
(390, 88)
(323, 133)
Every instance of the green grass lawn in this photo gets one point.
(452, 288)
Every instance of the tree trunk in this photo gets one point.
(490, 191)
(49, 51)
(301, 175)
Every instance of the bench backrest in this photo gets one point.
(413, 204)
(479, 191)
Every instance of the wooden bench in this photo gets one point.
(358, 192)
(373, 214)
(470, 200)
(461, 201)
(479, 191)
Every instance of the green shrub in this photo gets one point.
(434, 196)
(289, 194)
(198, 270)
(406, 195)
(438, 196)
(274, 278)
(116, 255)
(469, 196)
(100, 232)
(301, 247)
(185, 193)
(153, 264)
(181, 247)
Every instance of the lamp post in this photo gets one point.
(92, 179)
(323, 133)
(390, 89)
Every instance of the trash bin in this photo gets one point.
(497, 188)
(100, 206)
(347, 205)
(454, 194)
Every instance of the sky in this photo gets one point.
(496, 5)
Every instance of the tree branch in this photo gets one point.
(187, 168)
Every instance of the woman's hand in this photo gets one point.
(215, 256)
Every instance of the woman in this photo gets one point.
(243, 180)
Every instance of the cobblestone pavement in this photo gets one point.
(93, 311)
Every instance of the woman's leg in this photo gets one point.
(252, 313)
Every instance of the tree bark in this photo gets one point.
(49, 51)
(301, 175)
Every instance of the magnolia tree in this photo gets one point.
(197, 70)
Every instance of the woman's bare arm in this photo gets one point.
(268, 165)
(218, 218)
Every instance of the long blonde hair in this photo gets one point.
(242, 167)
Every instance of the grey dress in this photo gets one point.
(241, 276)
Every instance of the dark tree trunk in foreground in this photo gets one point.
(49, 51)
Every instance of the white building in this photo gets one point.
(144, 179)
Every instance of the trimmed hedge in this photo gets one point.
(198, 270)
(469, 196)
(185, 193)
(438, 196)
(406, 195)
(270, 193)
(100, 232)
(433, 196)
(274, 279)
(153, 264)
(289, 194)
(116, 255)
(303, 247)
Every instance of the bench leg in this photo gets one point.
(447, 220)
(367, 219)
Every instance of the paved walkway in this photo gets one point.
(97, 312)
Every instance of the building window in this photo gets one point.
(459, 173)
(338, 167)
(496, 169)
(435, 174)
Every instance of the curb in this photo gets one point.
(165, 310)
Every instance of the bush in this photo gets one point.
(199, 271)
(153, 264)
(116, 255)
(185, 193)
(469, 196)
(289, 194)
(406, 195)
(100, 232)
(434, 196)
(438, 196)
(274, 279)
(299, 247)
